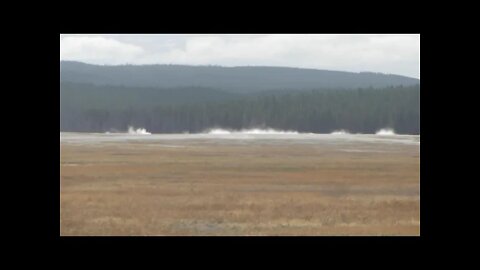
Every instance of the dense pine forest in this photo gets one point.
(88, 108)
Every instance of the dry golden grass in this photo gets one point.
(197, 188)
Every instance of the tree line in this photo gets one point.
(317, 111)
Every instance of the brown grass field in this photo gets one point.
(203, 187)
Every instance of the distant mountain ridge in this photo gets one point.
(245, 79)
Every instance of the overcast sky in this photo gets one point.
(394, 54)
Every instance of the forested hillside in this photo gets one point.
(229, 79)
(175, 98)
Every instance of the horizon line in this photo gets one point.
(224, 66)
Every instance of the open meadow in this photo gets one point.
(229, 184)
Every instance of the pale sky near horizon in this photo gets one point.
(391, 54)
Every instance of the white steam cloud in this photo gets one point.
(340, 132)
(270, 131)
(140, 131)
(385, 131)
(220, 131)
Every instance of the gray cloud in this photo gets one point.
(396, 54)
